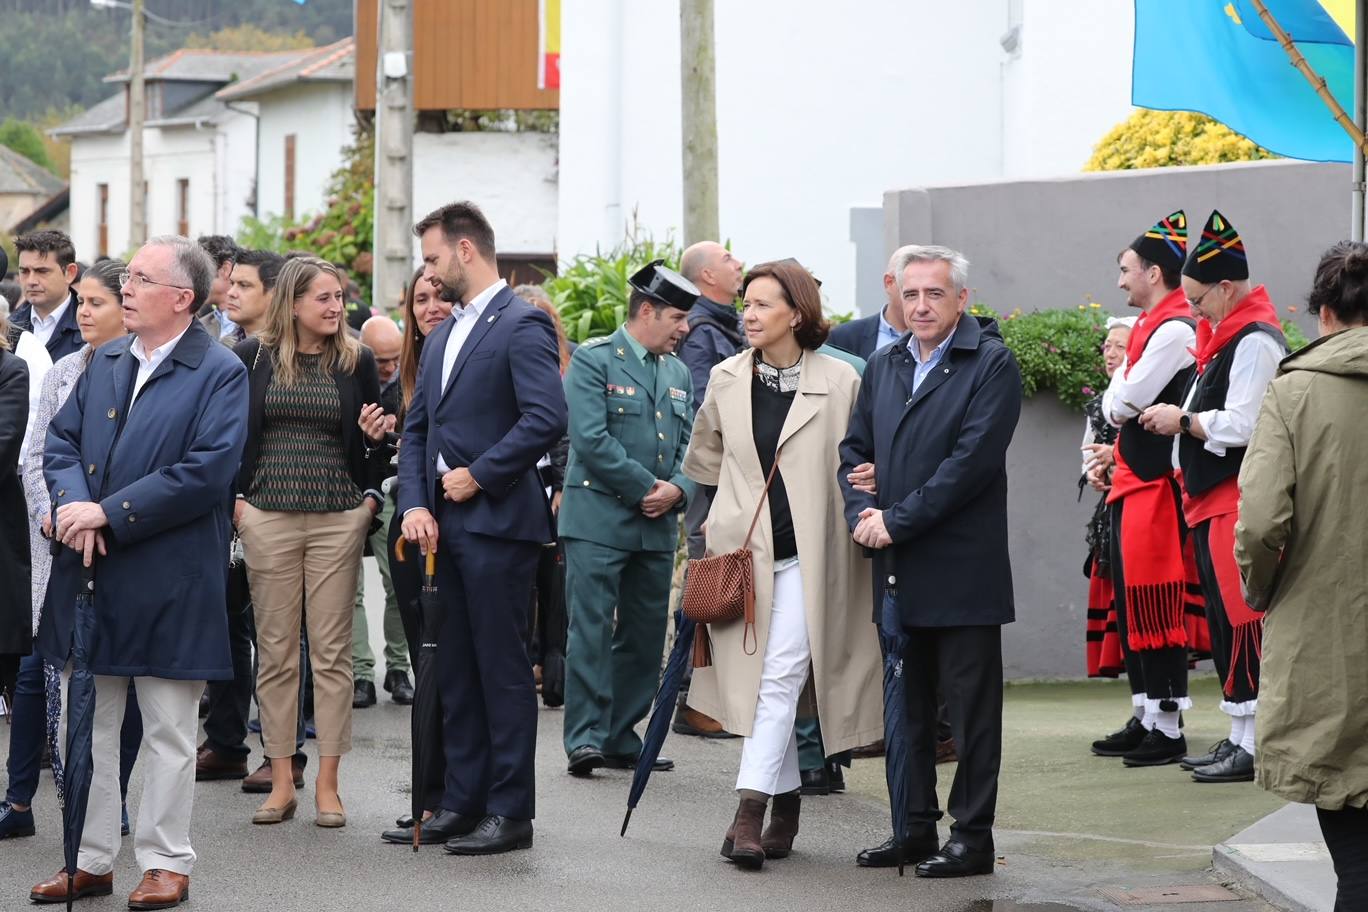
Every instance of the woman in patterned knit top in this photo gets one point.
(307, 496)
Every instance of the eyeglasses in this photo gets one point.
(138, 280)
(1191, 302)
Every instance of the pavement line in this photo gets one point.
(1118, 839)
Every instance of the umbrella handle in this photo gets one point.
(430, 564)
(399, 548)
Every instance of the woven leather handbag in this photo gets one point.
(721, 588)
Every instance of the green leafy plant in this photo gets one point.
(1058, 349)
(343, 231)
(1296, 339)
(591, 292)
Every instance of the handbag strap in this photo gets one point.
(763, 494)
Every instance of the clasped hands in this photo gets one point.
(870, 530)
(78, 527)
(660, 499)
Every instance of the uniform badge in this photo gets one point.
(621, 353)
(678, 395)
(631, 390)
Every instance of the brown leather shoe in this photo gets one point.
(945, 751)
(689, 721)
(160, 890)
(54, 889)
(742, 844)
(777, 839)
(866, 751)
(259, 783)
(210, 765)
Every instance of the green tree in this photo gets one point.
(24, 138)
(248, 37)
(1158, 139)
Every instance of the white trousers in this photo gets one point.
(769, 757)
(161, 834)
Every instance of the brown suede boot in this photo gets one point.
(783, 826)
(742, 844)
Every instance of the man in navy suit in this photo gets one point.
(47, 267)
(867, 335)
(488, 404)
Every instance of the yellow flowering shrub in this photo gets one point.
(1158, 139)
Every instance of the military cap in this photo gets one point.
(665, 286)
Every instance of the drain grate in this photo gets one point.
(1153, 896)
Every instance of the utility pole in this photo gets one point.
(698, 120)
(1356, 219)
(137, 112)
(393, 241)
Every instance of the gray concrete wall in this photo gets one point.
(866, 232)
(1049, 243)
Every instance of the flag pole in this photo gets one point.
(1317, 81)
(1360, 114)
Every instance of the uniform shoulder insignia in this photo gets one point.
(596, 341)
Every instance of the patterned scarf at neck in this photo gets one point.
(779, 379)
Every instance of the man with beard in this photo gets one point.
(487, 406)
(1148, 570)
(1239, 345)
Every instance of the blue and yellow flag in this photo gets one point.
(1217, 57)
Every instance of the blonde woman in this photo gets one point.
(307, 496)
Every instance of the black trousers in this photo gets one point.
(1346, 836)
(407, 578)
(1244, 687)
(489, 699)
(1159, 674)
(967, 664)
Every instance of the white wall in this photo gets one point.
(218, 160)
(319, 114)
(512, 176)
(820, 108)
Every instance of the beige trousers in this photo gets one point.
(161, 829)
(304, 563)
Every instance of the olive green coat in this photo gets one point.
(1300, 543)
(846, 668)
(623, 438)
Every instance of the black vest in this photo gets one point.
(1203, 469)
(1149, 455)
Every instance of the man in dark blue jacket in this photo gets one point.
(867, 335)
(935, 415)
(140, 462)
(487, 406)
(47, 268)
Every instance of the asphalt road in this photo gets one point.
(669, 860)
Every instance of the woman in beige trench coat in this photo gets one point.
(812, 585)
(1299, 544)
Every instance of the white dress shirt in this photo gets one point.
(33, 354)
(148, 361)
(1256, 361)
(466, 318)
(44, 326)
(1169, 351)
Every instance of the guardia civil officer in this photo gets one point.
(631, 412)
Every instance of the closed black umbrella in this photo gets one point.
(552, 624)
(80, 724)
(426, 723)
(894, 642)
(659, 726)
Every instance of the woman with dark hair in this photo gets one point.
(99, 316)
(307, 496)
(1303, 520)
(812, 587)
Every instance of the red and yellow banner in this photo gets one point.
(548, 57)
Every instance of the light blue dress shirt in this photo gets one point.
(887, 334)
(923, 369)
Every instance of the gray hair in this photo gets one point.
(917, 253)
(196, 267)
(1120, 323)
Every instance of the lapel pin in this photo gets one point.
(492, 318)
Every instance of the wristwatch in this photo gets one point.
(1185, 423)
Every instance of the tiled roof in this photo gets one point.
(333, 63)
(199, 65)
(19, 175)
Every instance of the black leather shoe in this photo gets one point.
(399, 687)
(1219, 751)
(886, 855)
(815, 781)
(404, 822)
(440, 827)
(614, 762)
(956, 859)
(1157, 749)
(1121, 742)
(15, 823)
(1237, 766)
(493, 836)
(584, 760)
(837, 777)
(363, 694)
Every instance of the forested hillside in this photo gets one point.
(54, 53)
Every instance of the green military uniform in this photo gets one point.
(630, 419)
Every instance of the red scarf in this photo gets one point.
(1254, 307)
(1173, 305)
